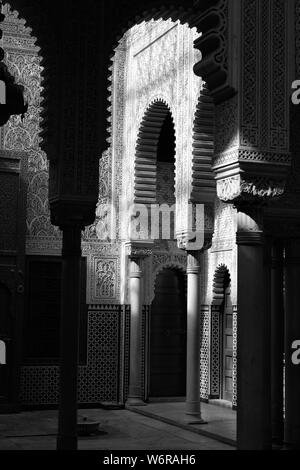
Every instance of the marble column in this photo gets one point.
(253, 335)
(292, 334)
(193, 407)
(277, 341)
(135, 393)
(69, 329)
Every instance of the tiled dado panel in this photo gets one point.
(102, 378)
(204, 352)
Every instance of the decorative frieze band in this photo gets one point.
(238, 187)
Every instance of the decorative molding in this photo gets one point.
(243, 155)
(235, 187)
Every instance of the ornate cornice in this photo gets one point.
(237, 155)
(250, 174)
(248, 188)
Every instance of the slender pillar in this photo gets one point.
(253, 336)
(135, 393)
(69, 327)
(277, 341)
(193, 406)
(292, 334)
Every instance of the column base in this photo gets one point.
(193, 413)
(66, 443)
(135, 401)
(194, 418)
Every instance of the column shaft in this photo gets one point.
(135, 393)
(193, 336)
(292, 334)
(277, 342)
(253, 342)
(69, 328)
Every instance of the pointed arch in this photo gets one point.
(145, 172)
(203, 181)
(221, 281)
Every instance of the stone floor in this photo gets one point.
(118, 429)
(220, 420)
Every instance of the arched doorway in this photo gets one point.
(168, 336)
(5, 343)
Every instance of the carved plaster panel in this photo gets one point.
(23, 61)
(236, 187)
(103, 284)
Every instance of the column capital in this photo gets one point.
(138, 250)
(135, 270)
(193, 262)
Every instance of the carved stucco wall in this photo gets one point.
(148, 76)
(99, 379)
(159, 61)
(154, 61)
(23, 60)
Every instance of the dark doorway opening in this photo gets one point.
(168, 336)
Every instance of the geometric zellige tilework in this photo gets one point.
(145, 320)
(123, 354)
(39, 385)
(98, 380)
(234, 356)
(215, 352)
(126, 351)
(204, 351)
